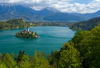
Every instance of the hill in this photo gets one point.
(86, 25)
(13, 24)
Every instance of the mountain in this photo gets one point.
(46, 11)
(87, 16)
(9, 11)
(86, 25)
(61, 17)
(93, 15)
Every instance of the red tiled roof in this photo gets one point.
(25, 30)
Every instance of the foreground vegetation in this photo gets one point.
(13, 24)
(82, 51)
(85, 25)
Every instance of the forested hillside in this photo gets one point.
(13, 23)
(82, 51)
(86, 25)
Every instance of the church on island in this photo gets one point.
(27, 34)
(27, 31)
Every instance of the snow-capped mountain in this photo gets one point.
(7, 4)
(9, 11)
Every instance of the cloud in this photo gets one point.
(61, 5)
(91, 7)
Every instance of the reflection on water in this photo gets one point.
(27, 39)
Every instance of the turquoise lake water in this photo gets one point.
(51, 38)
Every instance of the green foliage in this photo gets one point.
(54, 58)
(24, 61)
(13, 24)
(69, 57)
(89, 47)
(3, 66)
(39, 61)
(86, 25)
(8, 62)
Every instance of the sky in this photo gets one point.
(69, 6)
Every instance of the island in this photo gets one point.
(27, 34)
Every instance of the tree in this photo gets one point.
(69, 57)
(39, 61)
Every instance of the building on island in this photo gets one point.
(29, 32)
(27, 29)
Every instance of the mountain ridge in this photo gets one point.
(9, 11)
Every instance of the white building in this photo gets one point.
(27, 29)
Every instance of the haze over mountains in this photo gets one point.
(9, 11)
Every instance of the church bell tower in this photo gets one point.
(27, 29)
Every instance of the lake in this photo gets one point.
(51, 38)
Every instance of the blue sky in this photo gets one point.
(68, 6)
(81, 1)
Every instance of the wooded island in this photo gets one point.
(27, 34)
